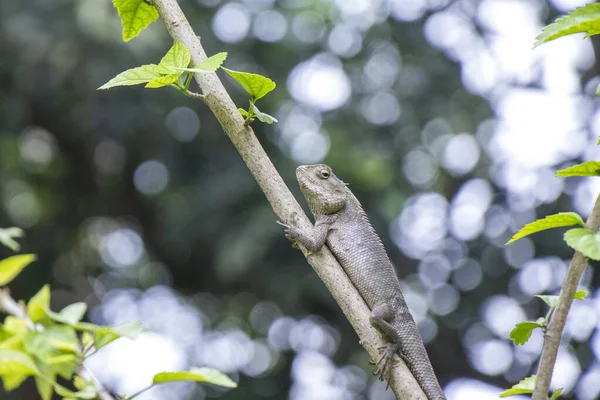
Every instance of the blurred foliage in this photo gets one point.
(138, 205)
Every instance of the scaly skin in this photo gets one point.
(341, 223)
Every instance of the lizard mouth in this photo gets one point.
(302, 171)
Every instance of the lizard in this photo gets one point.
(342, 224)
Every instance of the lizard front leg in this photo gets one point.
(312, 238)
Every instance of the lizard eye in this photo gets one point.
(324, 174)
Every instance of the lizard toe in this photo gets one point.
(385, 361)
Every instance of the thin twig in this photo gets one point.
(195, 95)
(10, 306)
(559, 316)
(281, 199)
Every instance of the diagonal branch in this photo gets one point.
(559, 316)
(281, 199)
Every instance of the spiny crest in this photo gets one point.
(324, 192)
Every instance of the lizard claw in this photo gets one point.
(384, 362)
(289, 227)
(282, 224)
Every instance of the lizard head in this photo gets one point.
(324, 192)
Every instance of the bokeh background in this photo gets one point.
(445, 122)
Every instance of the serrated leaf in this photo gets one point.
(177, 58)
(584, 241)
(70, 315)
(552, 301)
(522, 331)
(527, 385)
(134, 76)
(163, 81)
(589, 168)
(135, 16)
(11, 267)
(551, 221)
(262, 117)
(207, 375)
(38, 304)
(556, 393)
(211, 64)
(257, 85)
(582, 19)
(7, 236)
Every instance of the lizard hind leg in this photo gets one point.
(380, 317)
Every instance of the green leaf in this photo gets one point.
(135, 15)
(38, 304)
(14, 362)
(12, 333)
(527, 385)
(57, 347)
(163, 81)
(13, 381)
(11, 267)
(589, 168)
(552, 301)
(556, 393)
(211, 64)
(582, 19)
(70, 315)
(207, 375)
(87, 393)
(522, 331)
(7, 236)
(584, 241)
(107, 334)
(134, 76)
(551, 221)
(263, 117)
(243, 112)
(45, 381)
(257, 85)
(177, 58)
(129, 330)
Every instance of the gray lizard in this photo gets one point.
(341, 223)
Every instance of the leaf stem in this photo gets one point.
(194, 95)
(138, 393)
(188, 80)
(559, 316)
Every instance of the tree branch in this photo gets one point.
(281, 199)
(559, 316)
